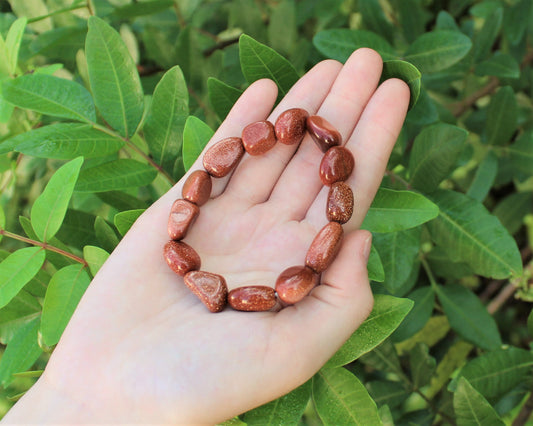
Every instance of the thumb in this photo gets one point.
(319, 324)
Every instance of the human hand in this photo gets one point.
(142, 348)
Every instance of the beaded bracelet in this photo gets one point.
(296, 282)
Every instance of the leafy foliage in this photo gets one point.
(105, 104)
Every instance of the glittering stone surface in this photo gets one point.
(220, 159)
(340, 203)
(290, 126)
(258, 137)
(182, 215)
(210, 288)
(324, 247)
(336, 165)
(295, 283)
(197, 187)
(181, 257)
(323, 132)
(252, 298)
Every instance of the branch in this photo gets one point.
(525, 412)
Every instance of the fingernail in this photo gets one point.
(367, 245)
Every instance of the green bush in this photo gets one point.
(81, 156)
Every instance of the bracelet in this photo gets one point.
(296, 282)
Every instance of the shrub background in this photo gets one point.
(448, 342)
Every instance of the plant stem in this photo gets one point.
(429, 273)
(58, 12)
(525, 413)
(45, 246)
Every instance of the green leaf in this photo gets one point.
(17, 269)
(422, 365)
(471, 408)
(375, 267)
(21, 352)
(196, 135)
(387, 314)
(133, 10)
(19, 311)
(468, 317)
(500, 65)
(115, 83)
(485, 38)
(383, 358)
(521, 153)
(416, 319)
(51, 95)
(95, 257)
(105, 234)
(341, 399)
(49, 208)
(387, 392)
(2, 220)
(115, 175)
(287, 410)
(398, 210)
(13, 41)
(260, 61)
(501, 117)
(438, 50)
(530, 323)
(484, 177)
(374, 18)
(63, 295)
(124, 220)
(222, 97)
(77, 229)
(163, 128)
(282, 29)
(512, 210)
(65, 141)
(340, 43)
(435, 152)
(406, 72)
(497, 372)
(514, 24)
(398, 252)
(121, 200)
(470, 234)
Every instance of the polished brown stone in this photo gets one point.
(295, 283)
(210, 288)
(340, 203)
(324, 247)
(181, 257)
(258, 137)
(323, 132)
(220, 159)
(182, 215)
(336, 165)
(197, 187)
(290, 126)
(253, 298)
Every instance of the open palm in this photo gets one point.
(140, 347)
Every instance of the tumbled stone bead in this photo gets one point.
(220, 159)
(181, 257)
(295, 283)
(253, 298)
(182, 215)
(323, 132)
(290, 126)
(340, 203)
(336, 165)
(258, 137)
(197, 187)
(324, 247)
(210, 288)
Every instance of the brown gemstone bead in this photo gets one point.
(210, 288)
(290, 126)
(323, 132)
(253, 298)
(197, 187)
(220, 159)
(258, 137)
(295, 283)
(340, 203)
(181, 257)
(324, 247)
(182, 215)
(336, 165)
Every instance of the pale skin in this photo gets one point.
(141, 348)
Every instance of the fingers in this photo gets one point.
(324, 320)
(299, 184)
(256, 176)
(371, 144)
